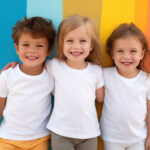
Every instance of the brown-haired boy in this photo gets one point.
(27, 88)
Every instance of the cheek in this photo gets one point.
(139, 57)
(113, 56)
(65, 47)
(116, 58)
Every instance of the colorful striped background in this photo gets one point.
(107, 14)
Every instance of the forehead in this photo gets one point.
(80, 31)
(128, 42)
(26, 36)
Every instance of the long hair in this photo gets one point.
(71, 23)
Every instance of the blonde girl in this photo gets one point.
(127, 92)
(78, 82)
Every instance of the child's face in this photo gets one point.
(32, 52)
(77, 45)
(127, 53)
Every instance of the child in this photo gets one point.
(127, 92)
(78, 81)
(27, 88)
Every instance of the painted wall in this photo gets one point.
(107, 14)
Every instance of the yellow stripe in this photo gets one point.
(90, 8)
(141, 8)
(114, 12)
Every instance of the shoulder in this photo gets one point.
(9, 75)
(145, 76)
(143, 73)
(109, 70)
(94, 67)
(9, 72)
(53, 61)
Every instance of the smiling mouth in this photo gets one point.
(31, 57)
(76, 53)
(127, 63)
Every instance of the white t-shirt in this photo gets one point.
(74, 114)
(28, 105)
(125, 107)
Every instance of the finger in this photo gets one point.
(14, 64)
(6, 67)
(11, 64)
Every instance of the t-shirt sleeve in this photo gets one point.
(100, 79)
(49, 64)
(3, 87)
(49, 67)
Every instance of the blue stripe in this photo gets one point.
(10, 12)
(51, 9)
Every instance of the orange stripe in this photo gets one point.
(148, 23)
(141, 8)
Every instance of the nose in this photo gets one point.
(127, 55)
(31, 50)
(76, 45)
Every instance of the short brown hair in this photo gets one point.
(71, 23)
(37, 26)
(125, 30)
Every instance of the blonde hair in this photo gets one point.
(71, 23)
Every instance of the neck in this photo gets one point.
(31, 70)
(129, 74)
(76, 65)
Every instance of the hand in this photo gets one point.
(147, 145)
(11, 64)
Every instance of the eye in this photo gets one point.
(25, 45)
(120, 51)
(133, 51)
(40, 45)
(82, 40)
(69, 41)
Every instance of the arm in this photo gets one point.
(100, 94)
(148, 126)
(2, 105)
(11, 64)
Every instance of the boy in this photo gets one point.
(27, 88)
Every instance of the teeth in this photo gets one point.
(76, 53)
(31, 57)
(126, 63)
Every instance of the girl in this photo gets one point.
(127, 92)
(78, 81)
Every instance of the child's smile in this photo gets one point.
(77, 45)
(76, 53)
(32, 52)
(127, 54)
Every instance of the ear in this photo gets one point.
(16, 47)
